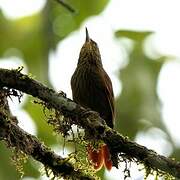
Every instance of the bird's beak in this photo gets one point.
(87, 35)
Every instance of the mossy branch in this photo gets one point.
(90, 121)
(15, 137)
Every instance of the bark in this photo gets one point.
(91, 122)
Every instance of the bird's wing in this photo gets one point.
(107, 90)
(109, 93)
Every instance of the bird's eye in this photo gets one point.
(95, 44)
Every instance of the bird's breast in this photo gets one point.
(84, 85)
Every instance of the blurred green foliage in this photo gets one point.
(138, 107)
(138, 103)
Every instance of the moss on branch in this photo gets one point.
(22, 142)
(91, 122)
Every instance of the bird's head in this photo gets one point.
(89, 51)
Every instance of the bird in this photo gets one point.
(92, 88)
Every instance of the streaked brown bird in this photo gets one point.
(92, 88)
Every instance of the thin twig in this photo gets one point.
(67, 6)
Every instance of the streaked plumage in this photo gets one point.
(92, 88)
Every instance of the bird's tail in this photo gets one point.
(100, 157)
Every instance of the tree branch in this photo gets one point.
(90, 121)
(16, 137)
